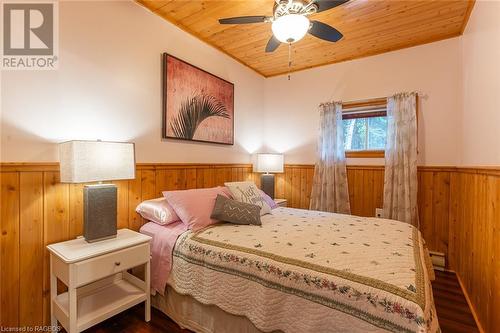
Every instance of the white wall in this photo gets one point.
(292, 117)
(481, 86)
(108, 86)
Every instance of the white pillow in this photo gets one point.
(158, 211)
(249, 193)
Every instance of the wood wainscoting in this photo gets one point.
(366, 192)
(474, 240)
(459, 212)
(36, 210)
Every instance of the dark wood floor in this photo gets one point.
(453, 312)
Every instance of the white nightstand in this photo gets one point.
(281, 202)
(99, 285)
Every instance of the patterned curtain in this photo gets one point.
(400, 184)
(330, 192)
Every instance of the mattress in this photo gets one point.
(309, 271)
(190, 314)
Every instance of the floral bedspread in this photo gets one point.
(309, 271)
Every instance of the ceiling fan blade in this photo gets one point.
(273, 44)
(328, 4)
(324, 31)
(243, 20)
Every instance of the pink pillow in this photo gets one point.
(194, 207)
(268, 199)
(157, 211)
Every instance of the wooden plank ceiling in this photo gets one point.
(369, 27)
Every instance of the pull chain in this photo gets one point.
(289, 59)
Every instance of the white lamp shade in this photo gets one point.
(290, 28)
(272, 163)
(90, 161)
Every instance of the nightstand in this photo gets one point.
(99, 285)
(281, 202)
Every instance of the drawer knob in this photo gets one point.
(117, 263)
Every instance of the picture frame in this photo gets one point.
(197, 105)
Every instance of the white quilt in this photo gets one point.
(309, 271)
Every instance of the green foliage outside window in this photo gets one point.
(365, 133)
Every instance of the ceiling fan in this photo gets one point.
(290, 22)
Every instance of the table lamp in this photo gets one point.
(97, 161)
(268, 164)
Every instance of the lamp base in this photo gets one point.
(267, 184)
(99, 217)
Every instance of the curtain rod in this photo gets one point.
(370, 100)
(416, 92)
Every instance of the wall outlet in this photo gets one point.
(379, 212)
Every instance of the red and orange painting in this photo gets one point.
(197, 105)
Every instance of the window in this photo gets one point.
(365, 128)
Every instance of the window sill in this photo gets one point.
(365, 154)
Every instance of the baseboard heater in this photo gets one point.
(438, 260)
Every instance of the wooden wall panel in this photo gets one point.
(148, 184)
(30, 238)
(459, 213)
(55, 226)
(434, 203)
(134, 198)
(474, 247)
(36, 210)
(75, 210)
(493, 260)
(122, 204)
(9, 249)
(366, 186)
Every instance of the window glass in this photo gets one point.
(377, 132)
(367, 133)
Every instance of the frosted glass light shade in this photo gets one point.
(272, 163)
(90, 161)
(290, 28)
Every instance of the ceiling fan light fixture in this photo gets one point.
(290, 28)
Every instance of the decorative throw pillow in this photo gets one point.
(249, 193)
(236, 212)
(157, 211)
(194, 207)
(268, 199)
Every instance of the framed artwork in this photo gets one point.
(197, 105)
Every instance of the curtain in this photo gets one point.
(330, 192)
(400, 183)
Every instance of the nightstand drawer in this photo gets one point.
(100, 267)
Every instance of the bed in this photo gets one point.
(301, 271)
